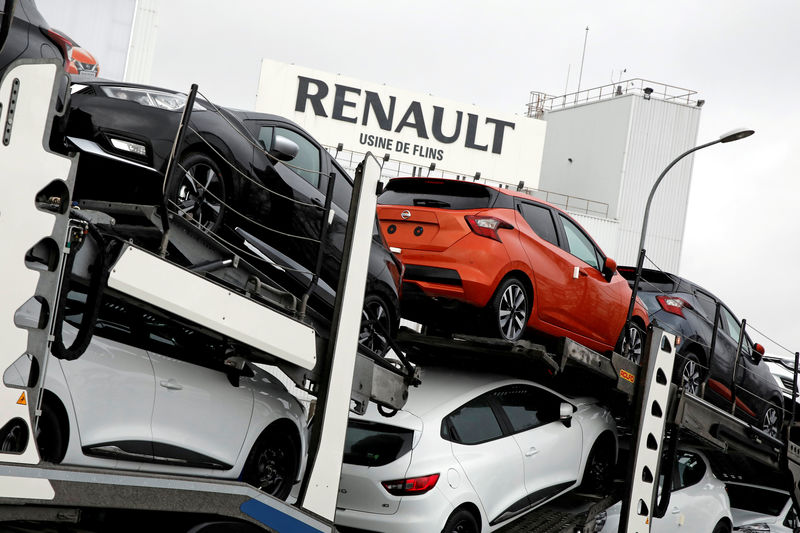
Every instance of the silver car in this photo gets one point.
(470, 452)
(154, 395)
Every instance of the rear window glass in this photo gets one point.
(444, 194)
(373, 444)
(755, 499)
(651, 281)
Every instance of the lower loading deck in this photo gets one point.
(745, 449)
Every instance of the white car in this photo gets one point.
(469, 453)
(152, 395)
(758, 509)
(782, 369)
(698, 503)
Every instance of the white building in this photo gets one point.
(608, 145)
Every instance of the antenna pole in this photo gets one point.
(583, 55)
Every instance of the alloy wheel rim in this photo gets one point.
(770, 424)
(511, 314)
(690, 377)
(598, 468)
(635, 349)
(200, 195)
(370, 336)
(271, 470)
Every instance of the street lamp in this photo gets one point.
(731, 136)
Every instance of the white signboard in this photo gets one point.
(414, 128)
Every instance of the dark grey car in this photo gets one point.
(688, 310)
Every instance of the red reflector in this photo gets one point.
(487, 226)
(411, 486)
(673, 304)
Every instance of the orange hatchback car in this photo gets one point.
(493, 261)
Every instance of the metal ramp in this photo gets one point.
(566, 514)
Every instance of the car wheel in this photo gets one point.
(722, 527)
(49, 437)
(599, 466)
(690, 373)
(461, 521)
(771, 420)
(272, 464)
(375, 311)
(634, 343)
(509, 308)
(199, 193)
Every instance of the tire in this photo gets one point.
(771, 419)
(15, 439)
(50, 438)
(637, 335)
(272, 464)
(599, 466)
(722, 527)
(200, 192)
(509, 309)
(689, 373)
(375, 310)
(461, 521)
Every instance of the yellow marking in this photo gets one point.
(627, 376)
(22, 400)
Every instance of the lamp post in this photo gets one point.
(731, 136)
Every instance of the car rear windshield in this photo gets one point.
(374, 444)
(651, 281)
(444, 194)
(757, 500)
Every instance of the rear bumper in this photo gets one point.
(425, 513)
(467, 272)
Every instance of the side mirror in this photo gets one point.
(609, 267)
(565, 413)
(757, 353)
(284, 149)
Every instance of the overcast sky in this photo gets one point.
(742, 233)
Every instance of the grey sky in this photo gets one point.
(742, 229)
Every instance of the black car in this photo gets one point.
(27, 35)
(256, 180)
(681, 307)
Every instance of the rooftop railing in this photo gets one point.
(540, 103)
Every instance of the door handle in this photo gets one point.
(578, 272)
(531, 452)
(316, 201)
(676, 510)
(171, 384)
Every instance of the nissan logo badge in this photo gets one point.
(405, 215)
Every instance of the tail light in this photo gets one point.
(487, 226)
(63, 43)
(673, 304)
(411, 486)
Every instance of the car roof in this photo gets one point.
(507, 192)
(681, 284)
(444, 389)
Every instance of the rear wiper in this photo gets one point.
(428, 202)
